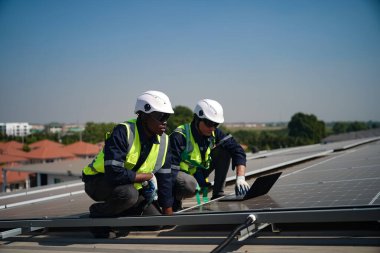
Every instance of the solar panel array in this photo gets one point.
(348, 179)
(345, 179)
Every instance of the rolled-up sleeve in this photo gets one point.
(115, 150)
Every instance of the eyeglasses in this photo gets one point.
(210, 123)
(159, 116)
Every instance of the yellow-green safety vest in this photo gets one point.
(153, 162)
(191, 157)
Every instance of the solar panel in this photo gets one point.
(40, 201)
(330, 183)
(343, 180)
(38, 194)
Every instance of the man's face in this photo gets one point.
(157, 122)
(206, 127)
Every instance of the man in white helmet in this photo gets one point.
(133, 170)
(198, 148)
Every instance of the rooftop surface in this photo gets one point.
(322, 181)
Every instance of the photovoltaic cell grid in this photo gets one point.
(73, 206)
(63, 199)
(297, 190)
(41, 193)
(344, 180)
(267, 159)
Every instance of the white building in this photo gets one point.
(15, 129)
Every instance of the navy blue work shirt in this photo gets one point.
(115, 148)
(178, 144)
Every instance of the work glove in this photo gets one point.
(200, 176)
(241, 186)
(149, 190)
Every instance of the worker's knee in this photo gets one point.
(190, 186)
(127, 193)
(185, 186)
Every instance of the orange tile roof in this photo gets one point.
(16, 152)
(49, 152)
(46, 149)
(10, 145)
(12, 148)
(45, 143)
(82, 148)
(5, 158)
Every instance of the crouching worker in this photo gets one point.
(200, 147)
(133, 170)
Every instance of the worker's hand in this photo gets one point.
(241, 186)
(149, 191)
(200, 176)
(167, 210)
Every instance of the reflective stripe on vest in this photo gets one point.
(154, 161)
(191, 157)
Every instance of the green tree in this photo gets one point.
(340, 127)
(345, 127)
(25, 148)
(70, 138)
(306, 128)
(372, 124)
(182, 115)
(356, 126)
(247, 137)
(96, 132)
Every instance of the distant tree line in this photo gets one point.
(346, 127)
(302, 129)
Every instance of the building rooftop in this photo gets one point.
(299, 214)
(49, 152)
(45, 143)
(81, 148)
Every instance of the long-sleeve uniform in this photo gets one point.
(115, 187)
(221, 157)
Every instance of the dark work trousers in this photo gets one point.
(186, 184)
(220, 163)
(115, 201)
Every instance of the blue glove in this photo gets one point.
(199, 175)
(241, 186)
(149, 190)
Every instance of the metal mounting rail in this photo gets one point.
(351, 214)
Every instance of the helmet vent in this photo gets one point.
(200, 113)
(147, 107)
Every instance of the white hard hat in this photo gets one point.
(153, 101)
(209, 109)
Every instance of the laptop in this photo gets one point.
(261, 186)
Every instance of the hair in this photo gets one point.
(196, 120)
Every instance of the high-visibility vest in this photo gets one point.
(191, 157)
(153, 162)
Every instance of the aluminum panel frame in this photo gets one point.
(355, 214)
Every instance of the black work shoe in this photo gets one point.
(217, 196)
(103, 232)
(121, 231)
(177, 205)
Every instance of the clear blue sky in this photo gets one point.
(87, 60)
